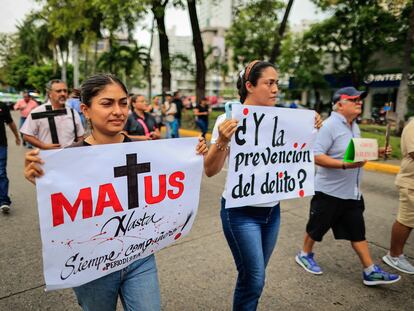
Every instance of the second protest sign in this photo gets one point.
(271, 155)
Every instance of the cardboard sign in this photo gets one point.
(103, 207)
(361, 149)
(271, 156)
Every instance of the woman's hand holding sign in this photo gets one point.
(201, 148)
(214, 161)
(226, 130)
(32, 167)
(318, 121)
(387, 151)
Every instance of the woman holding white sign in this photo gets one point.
(251, 231)
(105, 106)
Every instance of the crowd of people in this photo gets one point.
(103, 112)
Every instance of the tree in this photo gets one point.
(38, 76)
(353, 35)
(119, 16)
(17, 71)
(279, 37)
(305, 64)
(127, 58)
(199, 51)
(248, 36)
(158, 9)
(403, 90)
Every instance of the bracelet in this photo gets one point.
(221, 147)
(343, 166)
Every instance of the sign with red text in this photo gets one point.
(361, 149)
(103, 207)
(271, 156)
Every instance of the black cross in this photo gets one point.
(131, 170)
(50, 114)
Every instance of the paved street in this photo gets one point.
(198, 273)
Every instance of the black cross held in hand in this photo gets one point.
(131, 170)
(50, 114)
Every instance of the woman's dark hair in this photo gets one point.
(251, 73)
(133, 99)
(92, 86)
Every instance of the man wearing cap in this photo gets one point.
(404, 223)
(338, 203)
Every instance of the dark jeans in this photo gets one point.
(203, 125)
(4, 181)
(251, 233)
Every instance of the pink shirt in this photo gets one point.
(24, 107)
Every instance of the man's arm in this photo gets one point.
(39, 144)
(17, 106)
(13, 128)
(329, 162)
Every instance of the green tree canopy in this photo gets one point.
(252, 34)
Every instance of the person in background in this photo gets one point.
(68, 126)
(251, 231)
(179, 106)
(105, 104)
(404, 223)
(156, 111)
(140, 124)
(5, 117)
(74, 103)
(201, 113)
(338, 203)
(25, 106)
(169, 109)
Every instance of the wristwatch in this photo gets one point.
(343, 166)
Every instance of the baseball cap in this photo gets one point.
(348, 93)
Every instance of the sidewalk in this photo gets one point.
(389, 166)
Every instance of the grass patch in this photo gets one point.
(378, 132)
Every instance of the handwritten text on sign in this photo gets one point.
(103, 207)
(271, 155)
(365, 149)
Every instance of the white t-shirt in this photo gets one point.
(40, 129)
(214, 136)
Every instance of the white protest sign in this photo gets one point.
(271, 156)
(103, 207)
(361, 149)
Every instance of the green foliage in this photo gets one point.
(119, 15)
(17, 70)
(126, 61)
(252, 34)
(34, 38)
(354, 34)
(304, 62)
(182, 63)
(410, 105)
(378, 132)
(38, 76)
